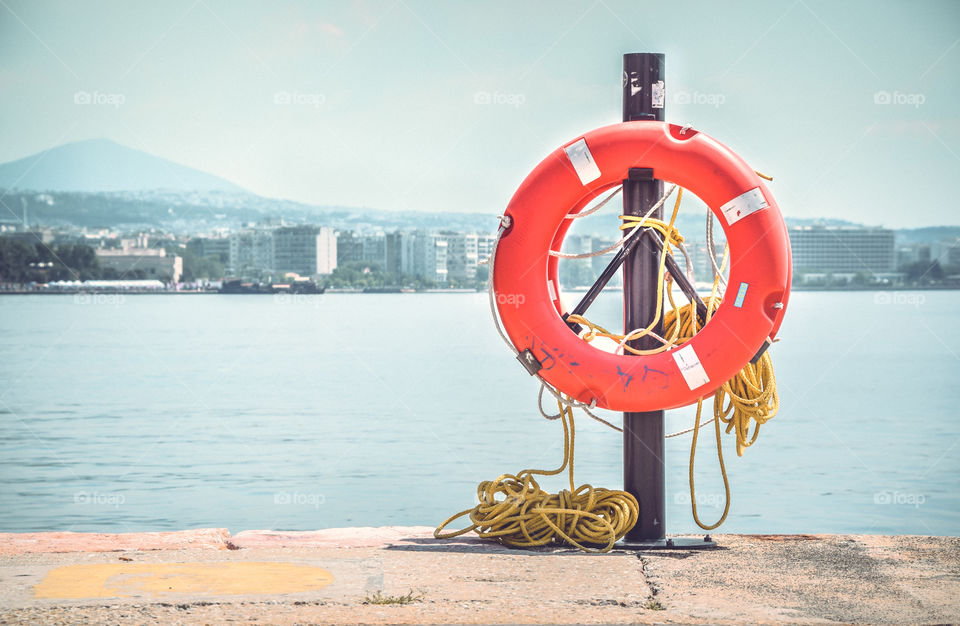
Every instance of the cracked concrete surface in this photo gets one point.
(748, 579)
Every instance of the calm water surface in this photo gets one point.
(168, 412)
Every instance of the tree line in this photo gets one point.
(24, 262)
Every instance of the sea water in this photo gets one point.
(126, 413)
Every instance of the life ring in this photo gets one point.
(525, 274)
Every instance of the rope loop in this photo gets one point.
(516, 511)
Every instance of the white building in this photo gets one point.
(326, 251)
(830, 249)
(424, 255)
(306, 250)
(462, 252)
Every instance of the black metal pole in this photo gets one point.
(644, 473)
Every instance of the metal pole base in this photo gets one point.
(670, 543)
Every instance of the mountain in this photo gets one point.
(101, 165)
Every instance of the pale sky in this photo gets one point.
(446, 106)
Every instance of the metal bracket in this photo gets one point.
(766, 344)
(577, 328)
(529, 362)
(669, 543)
(640, 173)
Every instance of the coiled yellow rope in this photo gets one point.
(744, 402)
(527, 516)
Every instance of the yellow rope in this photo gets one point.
(527, 516)
(588, 517)
(746, 401)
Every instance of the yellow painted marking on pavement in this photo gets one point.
(122, 580)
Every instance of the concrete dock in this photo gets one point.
(402, 575)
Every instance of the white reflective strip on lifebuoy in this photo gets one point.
(551, 290)
(690, 366)
(743, 205)
(582, 161)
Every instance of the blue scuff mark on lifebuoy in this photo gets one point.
(574, 364)
(625, 377)
(649, 370)
(546, 357)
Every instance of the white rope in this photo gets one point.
(601, 420)
(630, 337)
(691, 276)
(576, 216)
(691, 429)
(622, 240)
(540, 406)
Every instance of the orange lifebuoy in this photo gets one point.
(525, 274)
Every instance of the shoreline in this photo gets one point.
(62, 542)
(173, 292)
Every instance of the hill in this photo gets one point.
(101, 165)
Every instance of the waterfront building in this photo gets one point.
(424, 254)
(462, 253)
(373, 249)
(700, 258)
(842, 249)
(306, 250)
(485, 247)
(349, 247)
(370, 248)
(155, 263)
(393, 252)
(251, 252)
(217, 247)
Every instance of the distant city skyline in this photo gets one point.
(406, 105)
